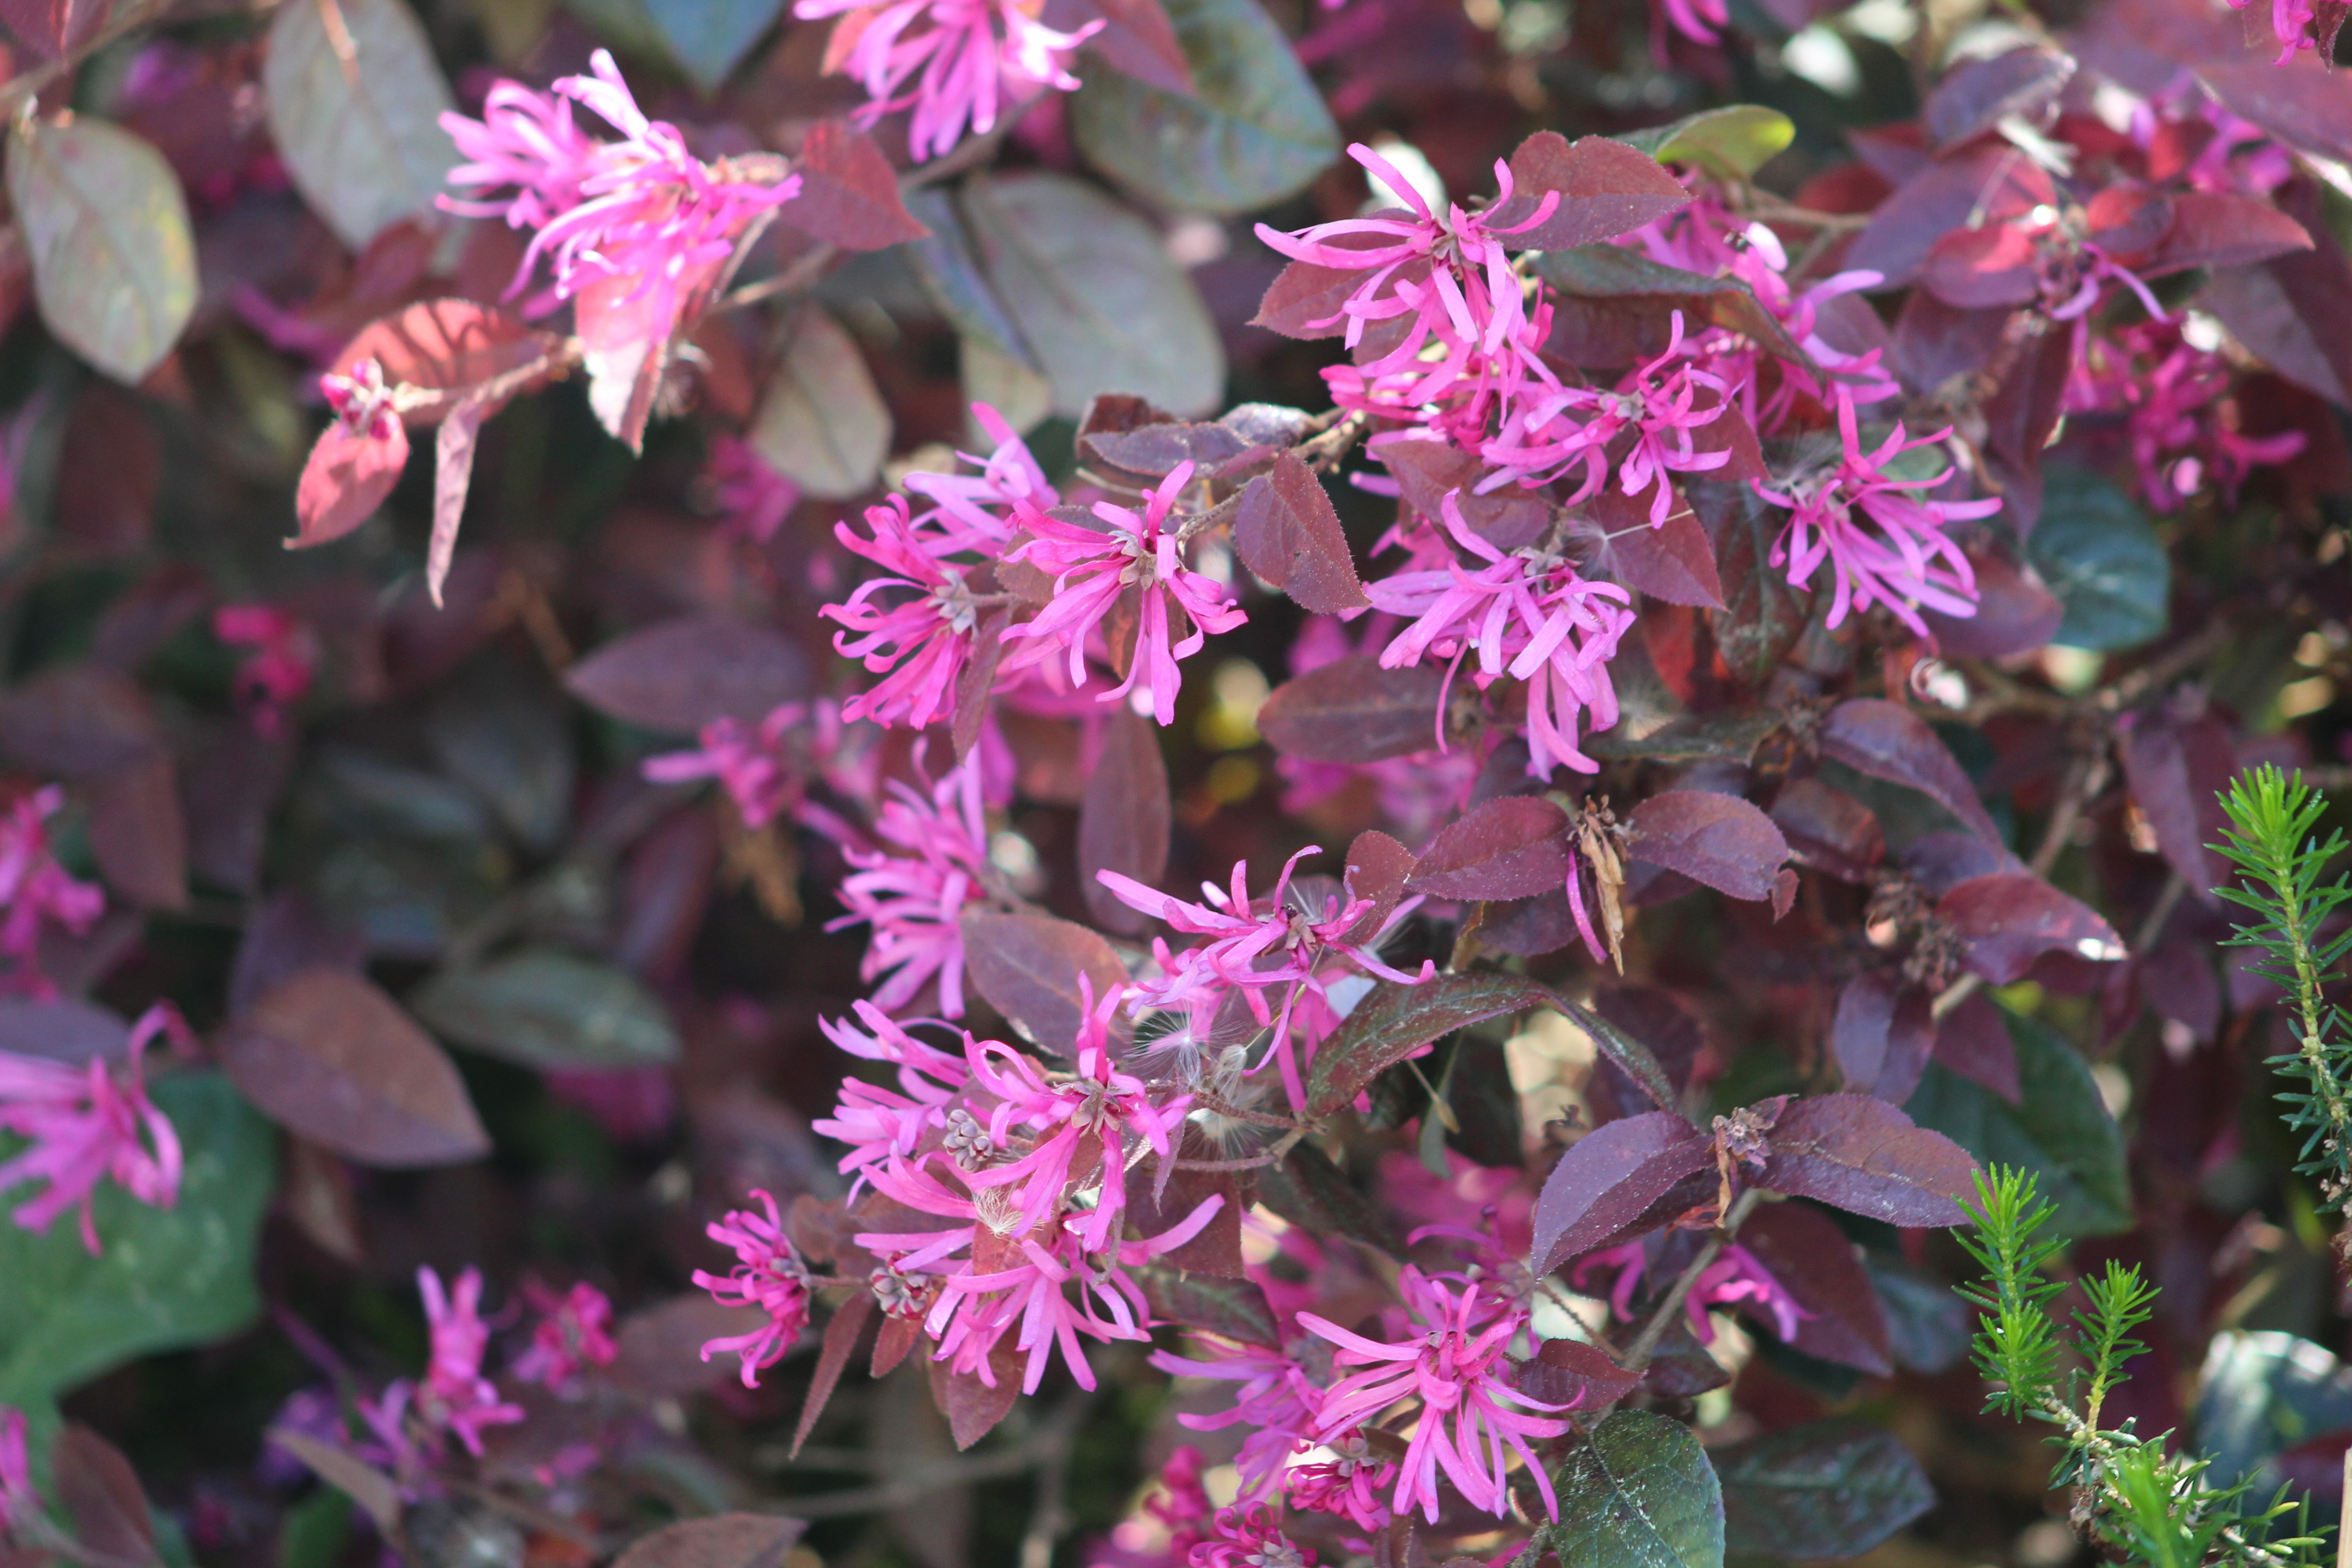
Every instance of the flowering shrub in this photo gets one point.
(1189, 783)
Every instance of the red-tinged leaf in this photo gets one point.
(2014, 613)
(447, 346)
(2020, 418)
(2011, 918)
(1529, 928)
(2288, 310)
(1670, 1038)
(1887, 741)
(1159, 1199)
(50, 29)
(660, 1347)
(1231, 1310)
(327, 1056)
(1511, 848)
(899, 1337)
(346, 478)
(1426, 472)
(377, 1494)
(1303, 300)
(77, 722)
(1973, 1041)
(1566, 1372)
(1287, 533)
(109, 466)
(139, 833)
(2128, 221)
(676, 675)
(1718, 839)
(1124, 824)
(1883, 1036)
(283, 937)
(2221, 228)
(972, 1407)
(1673, 562)
(453, 476)
(1306, 1189)
(1829, 829)
(977, 681)
(1972, 100)
(1352, 710)
(1606, 189)
(719, 1540)
(841, 1335)
(1975, 189)
(624, 333)
(1935, 342)
(1993, 267)
(1027, 967)
(1394, 1021)
(101, 1493)
(1863, 1155)
(849, 193)
(1376, 868)
(1150, 452)
(2311, 109)
(1843, 1321)
(1613, 306)
(1138, 39)
(1609, 1179)
(2176, 769)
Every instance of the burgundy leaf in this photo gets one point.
(1511, 848)
(1843, 1321)
(376, 1494)
(453, 476)
(2176, 769)
(1150, 452)
(1376, 868)
(50, 29)
(1306, 1189)
(1160, 1199)
(139, 834)
(77, 722)
(660, 1347)
(327, 1056)
(1993, 267)
(2304, 108)
(2221, 228)
(1861, 1154)
(1718, 839)
(1829, 829)
(63, 1029)
(676, 675)
(347, 475)
(1883, 1036)
(1352, 710)
(2020, 418)
(101, 1493)
(2011, 918)
(1942, 861)
(110, 467)
(841, 1336)
(978, 679)
(1529, 928)
(1936, 342)
(1303, 300)
(1673, 562)
(1974, 97)
(1887, 741)
(1566, 1372)
(1234, 1310)
(2177, 982)
(1426, 472)
(1394, 1021)
(716, 1541)
(1124, 824)
(1973, 1041)
(1287, 533)
(1606, 189)
(1669, 1035)
(1027, 967)
(1975, 189)
(849, 193)
(2014, 613)
(973, 1409)
(283, 937)
(446, 346)
(1138, 39)
(1609, 1179)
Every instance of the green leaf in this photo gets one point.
(167, 1278)
(547, 1008)
(1827, 1489)
(1095, 294)
(1256, 131)
(1308, 1190)
(2263, 1393)
(1639, 1493)
(106, 228)
(361, 135)
(2059, 1129)
(1733, 734)
(2096, 551)
(710, 36)
(822, 423)
(948, 270)
(1730, 143)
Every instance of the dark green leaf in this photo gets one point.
(1827, 1489)
(2058, 1128)
(1308, 1190)
(1762, 615)
(547, 1008)
(106, 229)
(167, 1278)
(1253, 132)
(1397, 1019)
(948, 271)
(499, 732)
(1638, 1493)
(2096, 551)
(710, 36)
(1732, 735)
(1926, 1325)
(355, 104)
(1731, 143)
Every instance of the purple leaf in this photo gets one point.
(1124, 823)
(676, 675)
(718, 1541)
(1396, 1020)
(1845, 1322)
(1608, 1180)
(1982, 187)
(1863, 1155)
(1829, 829)
(1027, 968)
(1352, 710)
(1973, 1041)
(1718, 839)
(2221, 228)
(1606, 189)
(2176, 770)
(453, 476)
(2011, 918)
(849, 193)
(1426, 472)
(1234, 1310)
(1512, 847)
(2014, 613)
(1673, 562)
(1376, 868)
(1887, 741)
(2310, 110)
(1565, 1372)
(1287, 533)
(1973, 98)
(1883, 1036)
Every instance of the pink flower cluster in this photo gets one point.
(766, 771)
(769, 1276)
(90, 1122)
(455, 1396)
(37, 892)
(574, 1335)
(1734, 1280)
(2178, 415)
(957, 64)
(912, 891)
(284, 660)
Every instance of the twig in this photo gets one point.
(1637, 1354)
(800, 275)
(1049, 1517)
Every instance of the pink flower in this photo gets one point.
(1093, 569)
(1276, 1406)
(752, 766)
(2178, 414)
(1348, 1484)
(1530, 617)
(1734, 1278)
(642, 208)
(913, 899)
(1543, 438)
(1081, 1128)
(1182, 1503)
(88, 1122)
(954, 62)
(1883, 544)
(279, 671)
(1278, 942)
(1700, 21)
(574, 1333)
(750, 497)
(18, 1500)
(968, 512)
(365, 405)
(1248, 1538)
(769, 1274)
(2291, 23)
(1471, 1412)
(37, 891)
(920, 644)
(455, 1396)
(878, 1123)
